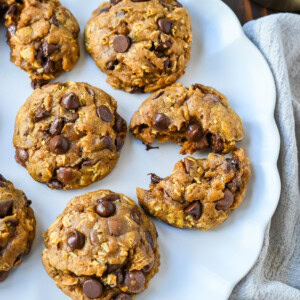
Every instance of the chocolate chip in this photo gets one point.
(55, 184)
(167, 63)
(119, 123)
(135, 281)
(21, 156)
(187, 165)
(111, 65)
(6, 208)
(70, 102)
(194, 133)
(119, 143)
(105, 208)
(211, 98)
(11, 30)
(149, 147)
(94, 237)
(103, 10)
(92, 288)
(38, 83)
(3, 275)
(2, 178)
(65, 175)
(73, 118)
(49, 66)
(148, 267)
(217, 144)
(234, 185)
(53, 20)
(232, 164)
(104, 113)
(116, 227)
(108, 143)
(109, 197)
(137, 90)
(114, 2)
(158, 95)
(120, 277)
(202, 144)
(56, 127)
(13, 222)
(87, 163)
(41, 114)
(155, 179)
(165, 25)
(28, 202)
(135, 215)
(91, 92)
(113, 268)
(194, 210)
(76, 240)
(121, 43)
(161, 122)
(12, 10)
(149, 239)
(123, 297)
(48, 49)
(226, 202)
(59, 144)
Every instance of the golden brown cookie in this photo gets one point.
(101, 247)
(140, 45)
(17, 227)
(42, 36)
(200, 193)
(195, 118)
(69, 135)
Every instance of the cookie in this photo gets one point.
(195, 118)
(140, 45)
(69, 135)
(101, 247)
(42, 36)
(17, 227)
(200, 193)
(4, 5)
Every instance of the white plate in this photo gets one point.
(194, 264)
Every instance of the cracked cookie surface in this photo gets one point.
(200, 193)
(195, 118)
(140, 45)
(102, 246)
(69, 135)
(42, 36)
(17, 227)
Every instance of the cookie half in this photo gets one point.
(102, 246)
(17, 227)
(42, 36)
(200, 193)
(142, 46)
(69, 135)
(196, 118)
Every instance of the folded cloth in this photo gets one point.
(276, 274)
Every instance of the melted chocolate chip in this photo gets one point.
(161, 122)
(48, 49)
(41, 114)
(121, 43)
(232, 164)
(226, 202)
(76, 240)
(155, 179)
(149, 239)
(148, 267)
(135, 281)
(217, 144)
(13, 222)
(202, 144)
(112, 64)
(136, 215)
(105, 208)
(65, 175)
(49, 66)
(113, 268)
(119, 123)
(90, 91)
(194, 210)
(73, 118)
(6, 208)
(165, 25)
(56, 127)
(53, 20)
(116, 227)
(108, 143)
(119, 143)
(55, 184)
(59, 144)
(104, 113)
(92, 288)
(70, 102)
(235, 185)
(137, 90)
(38, 83)
(109, 197)
(194, 133)
(21, 156)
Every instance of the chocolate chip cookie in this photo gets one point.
(195, 118)
(42, 36)
(101, 247)
(17, 227)
(142, 45)
(69, 135)
(200, 193)
(4, 5)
